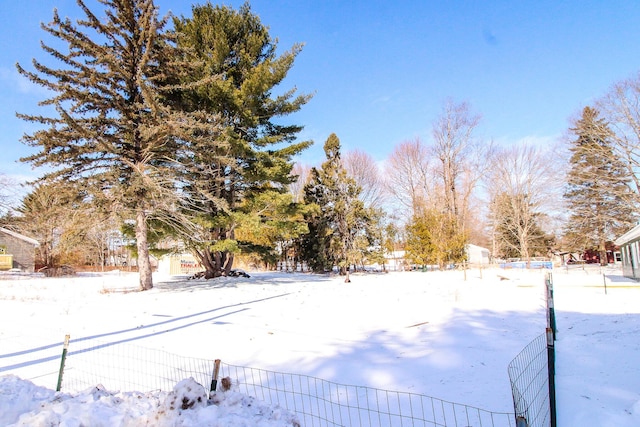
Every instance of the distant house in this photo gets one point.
(629, 244)
(394, 261)
(477, 255)
(17, 251)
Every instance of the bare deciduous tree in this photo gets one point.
(620, 107)
(50, 214)
(409, 176)
(361, 167)
(7, 193)
(296, 188)
(523, 183)
(460, 156)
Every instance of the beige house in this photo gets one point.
(17, 251)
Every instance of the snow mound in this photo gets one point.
(22, 403)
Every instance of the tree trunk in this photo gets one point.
(144, 263)
(208, 262)
(230, 256)
(603, 253)
(228, 264)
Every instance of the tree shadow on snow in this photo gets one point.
(184, 284)
(131, 334)
(444, 361)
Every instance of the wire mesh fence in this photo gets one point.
(324, 403)
(315, 401)
(532, 373)
(529, 376)
(529, 383)
(19, 357)
(129, 367)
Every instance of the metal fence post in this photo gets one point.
(551, 356)
(551, 312)
(62, 361)
(214, 377)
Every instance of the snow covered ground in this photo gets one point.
(435, 333)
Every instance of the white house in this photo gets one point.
(629, 244)
(477, 254)
(395, 261)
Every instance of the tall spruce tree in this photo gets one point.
(339, 217)
(112, 134)
(252, 153)
(598, 194)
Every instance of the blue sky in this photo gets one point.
(381, 71)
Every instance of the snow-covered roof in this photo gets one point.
(629, 236)
(20, 236)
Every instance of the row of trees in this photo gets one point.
(522, 201)
(177, 135)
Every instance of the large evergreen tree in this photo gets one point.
(598, 194)
(112, 134)
(252, 153)
(339, 219)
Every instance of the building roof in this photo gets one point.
(34, 242)
(471, 246)
(633, 234)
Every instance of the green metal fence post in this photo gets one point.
(62, 361)
(551, 358)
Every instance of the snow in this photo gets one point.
(449, 335)
(187, 404)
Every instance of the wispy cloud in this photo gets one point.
(382, 99)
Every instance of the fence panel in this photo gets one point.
(529, 376)
(129, 367)
(315, 401)
(318, 402)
